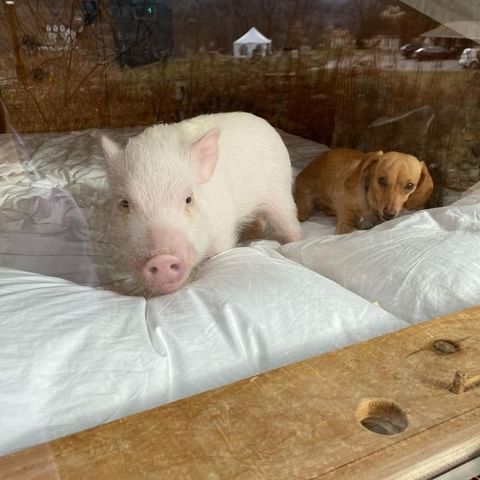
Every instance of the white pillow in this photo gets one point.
(251, 310)
(71, 358)
(74, 357)
(417, 267)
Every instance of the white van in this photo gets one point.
(470, 58)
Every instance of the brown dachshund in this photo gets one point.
(362, 189)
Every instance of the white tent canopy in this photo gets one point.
(247, 43)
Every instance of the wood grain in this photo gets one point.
(297, 422)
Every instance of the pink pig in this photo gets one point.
(184, 191)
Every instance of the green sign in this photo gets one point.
(144, 13)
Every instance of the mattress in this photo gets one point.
(76, 353)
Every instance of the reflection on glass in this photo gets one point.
(365, 74)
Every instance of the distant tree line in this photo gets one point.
(214, 24)
(366, 18)
(200, 25)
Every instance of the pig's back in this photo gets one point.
(252, 155)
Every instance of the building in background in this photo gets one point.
(384, 42)
(337, 37)
(454, 35)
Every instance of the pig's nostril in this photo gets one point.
(163, 270)
(174, 267)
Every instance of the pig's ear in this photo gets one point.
(204, 154)
(111, 150)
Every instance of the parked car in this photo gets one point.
(434, 53)
(408, 49)
(470, 58)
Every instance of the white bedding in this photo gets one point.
(417, 267)
(76, 356)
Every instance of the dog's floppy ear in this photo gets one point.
(421, 194)
(361, 173)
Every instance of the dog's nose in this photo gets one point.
(388, 214)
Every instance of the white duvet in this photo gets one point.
(74, 356)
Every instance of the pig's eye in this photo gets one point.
(188, 200)
(124, 204)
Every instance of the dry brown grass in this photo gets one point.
(73, 92)
(337, 106)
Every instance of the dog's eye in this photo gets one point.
(382, 181)
(124, 204)
(409, 186)
(188, 200)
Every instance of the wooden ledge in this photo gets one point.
(303, 421)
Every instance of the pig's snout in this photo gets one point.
(164, 273)
(171, 258)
